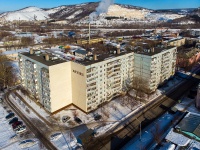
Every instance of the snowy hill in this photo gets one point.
(27, 14)
(130, 13)
(81, 12)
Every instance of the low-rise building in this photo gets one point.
(186, 57)
(190, 126)
(176, 42)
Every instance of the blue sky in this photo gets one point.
(7, 5)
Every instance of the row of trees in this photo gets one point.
(8, 75)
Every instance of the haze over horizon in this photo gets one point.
(12, 5)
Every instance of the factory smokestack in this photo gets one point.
(102, 8)
(89, 33)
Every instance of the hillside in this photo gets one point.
(80, 12)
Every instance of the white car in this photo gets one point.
(27, 143)
(20, 130)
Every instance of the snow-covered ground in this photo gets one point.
(28, 14)
(37, 108)
(8, 138)
(65, 141)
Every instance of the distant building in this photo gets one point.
(176, 42)
(189, 56)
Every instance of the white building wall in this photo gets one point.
(155, 69)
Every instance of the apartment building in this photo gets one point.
(155, 65)
(47, 78)
(87, 83)
(97, 80)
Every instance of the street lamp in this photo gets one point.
(140, 128)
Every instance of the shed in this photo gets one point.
(85, 137)
(190, 125)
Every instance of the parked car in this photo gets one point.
(14, 125)
(27, 143)
(10, 115)
(9, 111)
(97, 117)
(77, 120)
(65, 119)
(55, 136)
(17, 127)
(15, 119)
(20, 130)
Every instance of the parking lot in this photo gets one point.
(14, 133)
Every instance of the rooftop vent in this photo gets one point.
(95, 56)
(31, 51)
(46, 57)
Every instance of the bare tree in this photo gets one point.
(7, 72)
(140, 86)
(75, 113)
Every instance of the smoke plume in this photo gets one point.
(102, 8)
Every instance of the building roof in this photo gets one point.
(83, 52)
(101, 57)
(151, 52)
(40, 57)
(86, 136)
(14, 51)
(191, 123)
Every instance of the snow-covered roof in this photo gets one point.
(177, 138)
(15, 51)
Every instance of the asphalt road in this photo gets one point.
(127, 129)
(30, 125)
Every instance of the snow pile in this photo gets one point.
(74, 14)
(177, 138)
(162, 16)
(65, 141)
(56, 9)
(27, 14)
(118, 11)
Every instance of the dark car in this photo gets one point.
(97, 117)
(10, 115)
(9, 111)
(15, 119)
(14, 125)
(77, 120)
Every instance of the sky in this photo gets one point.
(10, 5)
